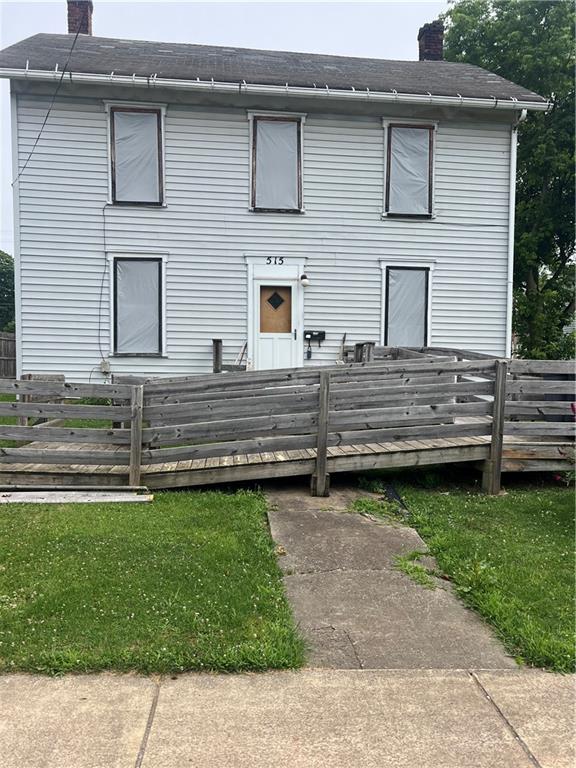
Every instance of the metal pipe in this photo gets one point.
(511, 221)
(295, 91)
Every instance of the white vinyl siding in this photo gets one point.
(207, 229)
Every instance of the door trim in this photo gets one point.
(283, 270)
(413, 263)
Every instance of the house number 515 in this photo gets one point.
(275, 260)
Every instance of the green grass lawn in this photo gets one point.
(511, 558)
(187, 582)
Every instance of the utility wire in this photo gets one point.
(49, 108)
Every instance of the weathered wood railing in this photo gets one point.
(78, 431)
(239, 415)
(184, 430)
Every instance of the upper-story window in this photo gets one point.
(136, 169)
(276, 164)
(409, 164)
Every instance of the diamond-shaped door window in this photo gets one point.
(275, 300)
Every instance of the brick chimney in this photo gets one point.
(80, 16)
(431, 41)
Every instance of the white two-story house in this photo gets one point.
(170, 194)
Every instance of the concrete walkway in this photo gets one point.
(357, 610)
(307, 719)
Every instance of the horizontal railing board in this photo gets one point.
(542, 366)
(63, 389)
(543, 407)
(240, 406)
(64, 435)
(44, 456)
(238, 447)
(224, 431)
(547, 428)
(394, 434)
(70, 410)
(540, 386)
(540, 451)
(411, 390)
(460, 353)
(339, 419)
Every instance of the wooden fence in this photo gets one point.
(7, 355)
(252, 425)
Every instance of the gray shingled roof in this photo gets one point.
(100, 55)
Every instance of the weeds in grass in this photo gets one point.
(409, 565)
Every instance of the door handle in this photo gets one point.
(295, 333)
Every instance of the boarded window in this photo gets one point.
(409, 171)
(276, 158)
(406, 307)
(136, 156)
(137, 306)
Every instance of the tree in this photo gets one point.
(531, 42)
(6, 292)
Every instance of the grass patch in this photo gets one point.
(510, 557)
(189, 582)
(409, 565)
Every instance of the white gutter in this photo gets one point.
(511, 222)
(153, 81)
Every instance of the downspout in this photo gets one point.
(511, 220)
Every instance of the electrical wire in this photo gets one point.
(49, 109)
(104, 271)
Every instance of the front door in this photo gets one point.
(276, 326)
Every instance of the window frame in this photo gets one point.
(431, 127)
(287, 117)
(159, 111)
(161, 263)
(396, 262)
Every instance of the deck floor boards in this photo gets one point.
(248, 464)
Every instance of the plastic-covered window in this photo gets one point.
(136, 157)
(409, 170)
(276, 183)
(137, 306)
(406, 307)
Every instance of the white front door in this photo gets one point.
(277, 342)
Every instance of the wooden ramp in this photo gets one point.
(246, 426)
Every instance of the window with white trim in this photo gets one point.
(276, 164)
(137, 306)
(409, 170)
(136, 156)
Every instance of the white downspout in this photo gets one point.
(511, 220)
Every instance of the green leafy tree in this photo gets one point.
(531, 42)
(6, 292)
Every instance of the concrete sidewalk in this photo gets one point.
(306, 719)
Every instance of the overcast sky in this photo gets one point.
(385, 29)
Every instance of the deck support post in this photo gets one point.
(492, 469)
(320, 480)
(217, 355)
(136, 402)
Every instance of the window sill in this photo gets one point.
(292, 211)
(122, 204)
(416, 216)
(137, 354)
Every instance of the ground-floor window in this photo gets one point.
(137, 310)
(406, 313)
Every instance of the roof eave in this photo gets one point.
(152, 81)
